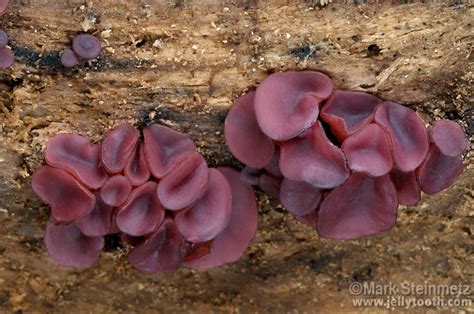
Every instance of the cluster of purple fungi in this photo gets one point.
(339, 161)
(84, 47)
(154, 190)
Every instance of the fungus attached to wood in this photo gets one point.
(347, 112)
(86, 46)
(209, 216)
(78, 156)
(70, 247)
(69, 58)
(186, 184)
(344, 174)
(243, 135)
(229, 245)
(313, 159)
(165, 148)
(449, 137)
(170, 217)
(6, 57)
(68, 199)
(368, 151)
(3, 6)
(362, 206)
(408, 135)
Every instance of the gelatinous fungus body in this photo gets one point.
(347, 112)
(69, 58)
(343, 160)
(3, 6)
(6, 57)
(243, 135)
(84, 47)
(290, 99)
(313, 159)
(362, 206)
(158, 194)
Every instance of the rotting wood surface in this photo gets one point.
(182, 64)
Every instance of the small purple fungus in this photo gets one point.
(6, 54)
(86, 46)
(69, 58)
(3, 6)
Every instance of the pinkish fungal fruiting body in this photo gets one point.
(69, 58)
(3, 6)
(157, 193)
(347, 112)
(290, 99)
(313, 159)
(253, 148)
(84, 47)
(349, 187)
(6, 54)
(229, 245)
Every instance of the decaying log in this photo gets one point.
(182, 64)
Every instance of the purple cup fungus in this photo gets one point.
(7, 57)
(229, 245)
(142, 213)
(116, 190)
(69, 247)
(347, 112)
(3, 6)
(158, 194)
(186, 184)
(408, 135)
(164, 148)
(299, 198)
(368, 151)
(69, 58)
(345, 173)
(449, 138)
(97, 222)
(362, 206)
(290, 99)
(313, 159)
(210, 214)
(68, 198)
(78, 156)
(84, 47)
(269, 184)
(243, 135)
(6, 54)
(3, 39)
